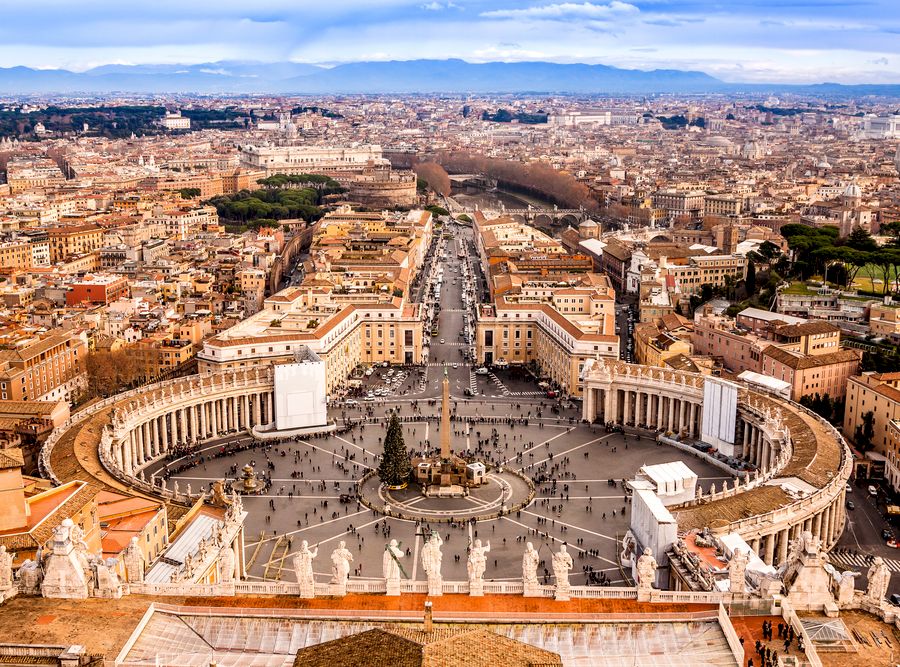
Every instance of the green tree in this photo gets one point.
(860, 239)
(865, 432)
(393, 470)
(750, 281)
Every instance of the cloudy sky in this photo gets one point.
(849, 41)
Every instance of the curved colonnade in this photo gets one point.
(801, 462)
(112, 441)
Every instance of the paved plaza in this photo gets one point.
(572, 463)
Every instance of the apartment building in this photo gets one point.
(808, 355)
(96, 289)
(810, 374)
(555, 328)
(43, 369)
(722, 205)
(689, 274)
(878, 393)
(15, 255)
(884, 319)
(680, 203)
(663, 339)
(74, 240)
(345, 331)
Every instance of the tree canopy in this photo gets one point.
(248, 206)
(393, 470)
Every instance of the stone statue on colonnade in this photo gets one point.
(340, 568)
(227, 562)
(737, 569)
(390, 567)
(646, 574)
(476, 566)
(6, 574)
(562, 563)
(431, 563)
(303, 568)
(878, 578)
(530, 560)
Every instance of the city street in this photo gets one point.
(862, 538)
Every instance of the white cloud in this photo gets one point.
(439, 6)
(566, 11)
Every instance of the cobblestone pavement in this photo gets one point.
(309, 475)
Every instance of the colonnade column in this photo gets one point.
(770, 549)
(182, 421)
(626, 411)
(783, 539)
(164, 433)
(213, 429)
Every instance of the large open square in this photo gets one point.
(578, 470)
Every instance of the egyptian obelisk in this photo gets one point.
(445, 431)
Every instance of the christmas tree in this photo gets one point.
(394, 467)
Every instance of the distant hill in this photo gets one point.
(458, 76)
(409, 76)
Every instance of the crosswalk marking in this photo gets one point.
(859, 561)
(502, 387)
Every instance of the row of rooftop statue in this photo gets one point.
(432, 557)
(64, 567)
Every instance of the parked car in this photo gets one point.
(887, 534)
(850, 505)
(872, 490)
(481, 371)
(849, 489)
(552, 394)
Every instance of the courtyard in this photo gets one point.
(578, 471)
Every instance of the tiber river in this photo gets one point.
(472, 197)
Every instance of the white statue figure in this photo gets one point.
(30, 577)
(340, 566)
(878, 577)
(477, 561)
(303, 567)
(106, 578)
(562, 563)
(737, 568)
(134, 562)
(530, 561)
(431, 562)
(6, 574)
(646, 571)
(390, 567)
(226, 565)
(175, 487)
(846, 586)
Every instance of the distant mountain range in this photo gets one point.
(410, 76)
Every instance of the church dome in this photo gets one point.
(853, 191)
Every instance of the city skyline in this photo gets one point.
(758, 41)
